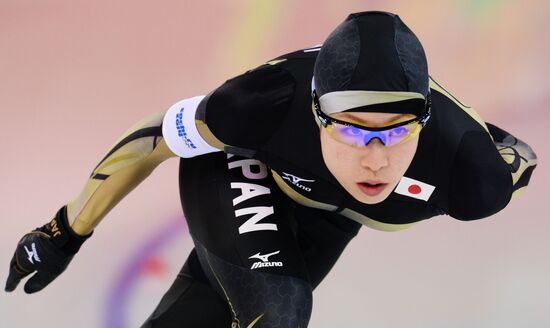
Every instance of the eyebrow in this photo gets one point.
(363, 122)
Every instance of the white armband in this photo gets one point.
(180, 131)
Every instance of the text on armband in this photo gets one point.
(181, 130)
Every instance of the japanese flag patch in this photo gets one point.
(414, 188)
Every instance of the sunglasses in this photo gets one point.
(357, 135)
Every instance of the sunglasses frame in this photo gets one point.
(327, 120)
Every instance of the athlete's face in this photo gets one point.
(368, 173)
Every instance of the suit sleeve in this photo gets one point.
(492, 169)
(243, 113)
(490, 166)
(129, 161)
(519, 157)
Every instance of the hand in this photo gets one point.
(47, 250)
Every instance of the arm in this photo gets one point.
(490, 166)
(133, 157)
(521, 159)
(49, 249)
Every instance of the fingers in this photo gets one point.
(36, 253)
(16, 274)
(38, 281)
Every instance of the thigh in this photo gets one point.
(244, 233)
(190, 302)
(322, 237)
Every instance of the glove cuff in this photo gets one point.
(61, 233)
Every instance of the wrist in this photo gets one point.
(81, 230)
(62, 235)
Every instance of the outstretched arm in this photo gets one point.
(132, 158)
(48, 250)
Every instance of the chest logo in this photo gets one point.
(296, 181)
(414, 188)
(265, 261)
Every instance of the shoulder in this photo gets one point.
(443, 100)
(247, 110)
(480, 181)
(477, 179)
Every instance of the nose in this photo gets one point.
(374, 155)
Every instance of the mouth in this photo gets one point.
(371, 188)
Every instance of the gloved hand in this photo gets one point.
(46, 250)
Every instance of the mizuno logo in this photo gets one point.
(296, 181)
(264, 261)
(263, 258)
(32, 254)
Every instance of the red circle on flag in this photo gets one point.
(415, 189)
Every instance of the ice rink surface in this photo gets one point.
(75, 74)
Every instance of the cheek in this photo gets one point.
(401, 157)
(335, 156)
(327, 149)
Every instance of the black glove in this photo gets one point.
(46, 250)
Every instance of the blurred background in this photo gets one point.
(75, 74)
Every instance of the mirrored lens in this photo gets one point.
(357, 137)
